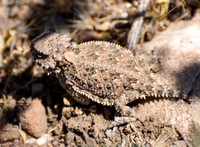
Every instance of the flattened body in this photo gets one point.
(109, 71)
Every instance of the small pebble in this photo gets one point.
(34, 120)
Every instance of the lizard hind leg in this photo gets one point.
(121, 107)
(124, 114)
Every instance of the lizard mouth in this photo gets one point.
(46, 64)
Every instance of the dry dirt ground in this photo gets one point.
(36, 111)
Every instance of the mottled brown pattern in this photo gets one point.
(99, 71)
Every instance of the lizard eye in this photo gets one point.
(39, 55)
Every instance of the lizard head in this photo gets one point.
(48, 49)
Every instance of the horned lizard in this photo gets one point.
(100, 71)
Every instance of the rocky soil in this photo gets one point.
(36, 111)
